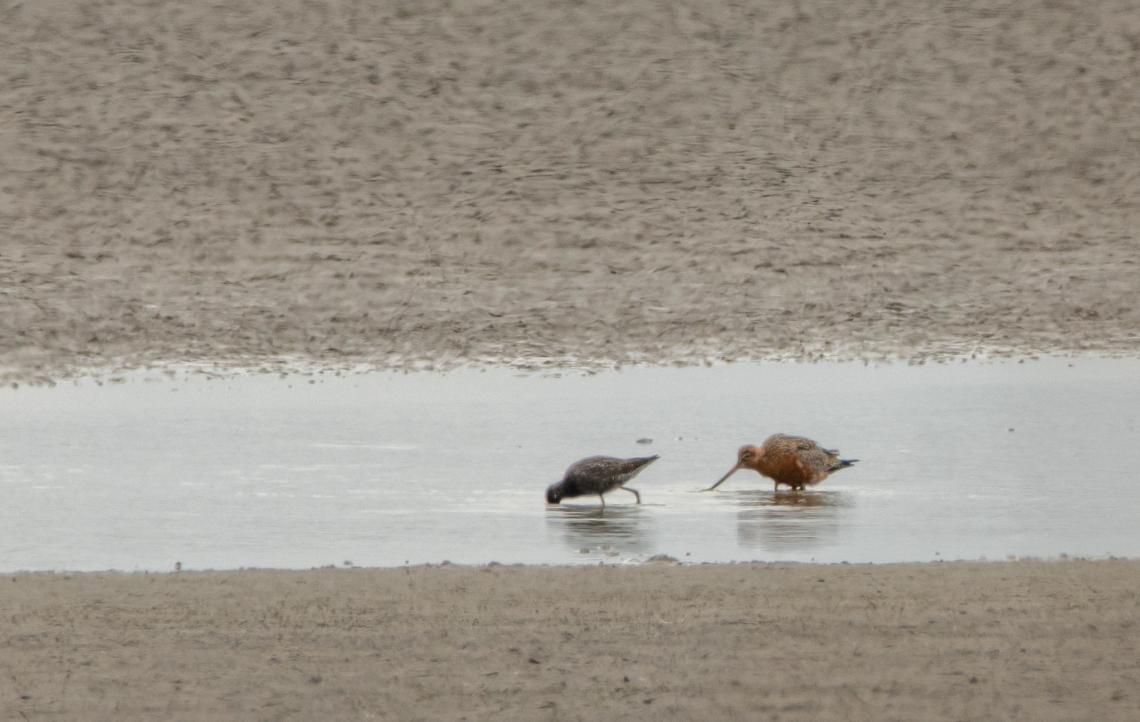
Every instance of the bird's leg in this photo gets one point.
(634, 492)
(775, 487)
(603, 502)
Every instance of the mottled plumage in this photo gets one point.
(597, 475)
(792, 460)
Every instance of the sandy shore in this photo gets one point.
(568, 183)
(1022, 640)
(540, 181)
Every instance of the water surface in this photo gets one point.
(957, 461)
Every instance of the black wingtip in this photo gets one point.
(842, 464)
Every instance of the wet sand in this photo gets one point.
(1024, 640)
(565, 183)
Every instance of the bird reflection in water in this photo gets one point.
(621, 531)
(788, 521)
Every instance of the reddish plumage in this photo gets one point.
(792, 460)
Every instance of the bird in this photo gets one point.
(793, 460)
(597, 475)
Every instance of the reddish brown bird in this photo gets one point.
(791, 460)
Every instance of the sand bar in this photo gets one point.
(1011, 640)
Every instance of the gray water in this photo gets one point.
(958, 461)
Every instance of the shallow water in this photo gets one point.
(957, 461)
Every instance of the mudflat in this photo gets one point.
(568, 183)
(1009, 640)
(565, 182)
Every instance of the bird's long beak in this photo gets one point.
(731, 471)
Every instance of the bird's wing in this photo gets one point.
(816, 457)
(625, 469)
(789, 442)
(607, 468)
(592, 466)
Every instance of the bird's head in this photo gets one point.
(554, 493)
(746, 458)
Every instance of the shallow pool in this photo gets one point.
(971, 460)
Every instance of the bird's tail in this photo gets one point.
(843, 464)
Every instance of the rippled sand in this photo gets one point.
(565, 182)
(1034, 641)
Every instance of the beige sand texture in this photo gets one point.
(345, 181)
(999, 641)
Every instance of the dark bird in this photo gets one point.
(791, 460)
(597, 475)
